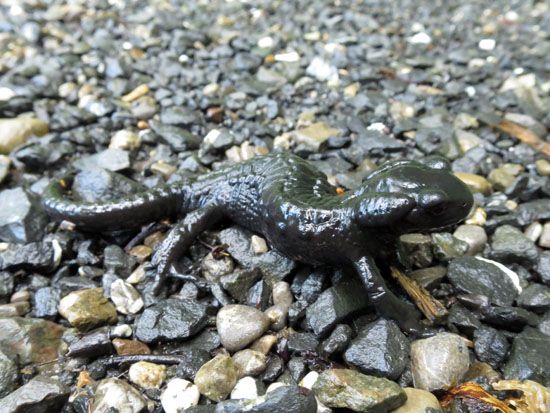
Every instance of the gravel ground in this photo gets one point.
(132, 94)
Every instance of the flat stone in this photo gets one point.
(471, 275)
(34, 256)
(476, 183)
(31, 340)
(41, 394)
(87, 309)
(109, 159)
(171, 319)
(439, 362)
(342, 388)
(125, 347)
(239, 325)
(380, 349)
(313, 136)
(216, 378)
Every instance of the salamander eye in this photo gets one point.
(437, 209)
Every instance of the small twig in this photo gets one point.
(430, 307)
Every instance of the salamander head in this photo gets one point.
(422, 195)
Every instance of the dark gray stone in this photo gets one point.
(335, 305)
(529, 357)
(380, 349)
(110, 159)
(45, 302)
(35, 256)
(41, 394)
(473, 276)
(179, 139)
(510, 245)
(490, 345)
(95, 185)
(193, 359)
(21, 217)
(171, 319)
(274, 266)
(535, 297)
(338, 340)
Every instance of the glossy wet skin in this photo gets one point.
(438, 198)
(289, 202)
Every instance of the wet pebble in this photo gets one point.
(379, 349)
(439, 362)
(250, 362)
(510, 245)
(116, 394)
(42, 393)
(22, 219)
(239, 325)
(125, 297)
(8, 375)
(147, 375)
(87, 309)
(216, 378)
(179, 395)
(341, 388)
(171, 319)
(474, 236)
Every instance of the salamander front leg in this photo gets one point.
(385, 302)
(179, 239)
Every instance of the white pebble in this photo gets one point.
(266, 42)
(126, 298)
(258, 245)
(122, 330)
(179, 395)
(246, 388)
(309, 380)
(287, 57)
(487, 44)
(420, 38)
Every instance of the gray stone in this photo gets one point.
(528, 358)
(21, 217)
(171, 319)
(439, 362)
(110, 159)
(447, 247)
(473, 276)
(338, 340)
(31, 340)
(509, 245)
(41, 394)
(415, 250)
(179, 139)
(536, 297)
(8, 375)
(490, 345)
(272, 264)
(335, 305)
(34, 256)
(239, 282)
(380, 349)
(97, 184)
(473, 235)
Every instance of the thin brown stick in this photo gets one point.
(430, 307)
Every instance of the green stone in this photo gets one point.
(349, 389)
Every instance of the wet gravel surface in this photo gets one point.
(129, 96)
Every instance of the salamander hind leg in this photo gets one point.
(179, 239)
(386, 303)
